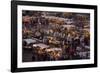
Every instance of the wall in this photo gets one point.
(5, 36)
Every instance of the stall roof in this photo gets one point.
(30, 41)
(41, 45)
(54, 49)
(68, 26)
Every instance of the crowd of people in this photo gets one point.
(66, 35)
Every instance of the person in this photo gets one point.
(35, 52)
(70, 52)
